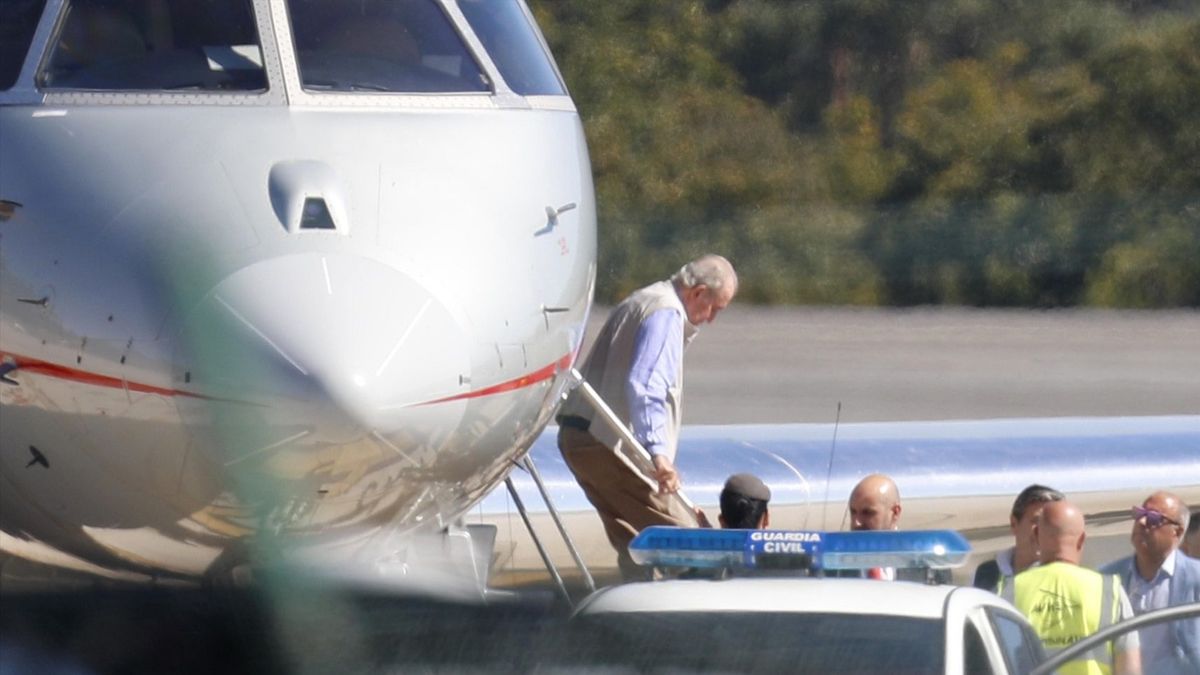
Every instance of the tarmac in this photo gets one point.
(771, 364)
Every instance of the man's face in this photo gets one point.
(1023, 529)
(703, 304)
(871, 512)
(1157, 542)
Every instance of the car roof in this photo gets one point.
(808, 595)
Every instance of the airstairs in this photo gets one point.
(632, 450)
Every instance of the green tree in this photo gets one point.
(678, 150)
(862, 151)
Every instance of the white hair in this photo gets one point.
(709, 270)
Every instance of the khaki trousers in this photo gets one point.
(626, 503)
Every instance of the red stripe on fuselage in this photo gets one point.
(75, 375)
(521, 382)
(55, 370)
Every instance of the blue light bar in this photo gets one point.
(928, 549)
(703, 547)
(751, 549)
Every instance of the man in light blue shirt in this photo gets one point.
(1159, 575)
(636, 366)
(657, 356)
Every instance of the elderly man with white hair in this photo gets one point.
(636, 365)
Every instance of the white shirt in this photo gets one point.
(1004, 560)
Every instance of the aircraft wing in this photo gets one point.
(951, 474)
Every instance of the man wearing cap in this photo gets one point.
(1066, 602)
(1026, 510)
(636, 365)
(1158, 575)
(744, 503)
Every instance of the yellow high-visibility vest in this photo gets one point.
(1066, 603)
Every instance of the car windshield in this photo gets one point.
(756, 642)
(404, 46)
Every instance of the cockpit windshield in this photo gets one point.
(510, 39)
(174, 45)
(404, 46)
(18, 21)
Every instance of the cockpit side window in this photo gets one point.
(18, 22)
(170, 45)
(403, 46)
(510, 40)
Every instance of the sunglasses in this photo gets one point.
(1154, 519)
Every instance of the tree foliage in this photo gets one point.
(871, 152)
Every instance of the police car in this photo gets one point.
(800, 624)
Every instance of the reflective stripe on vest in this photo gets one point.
(1048, 595)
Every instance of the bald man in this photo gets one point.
(1159, 575)
(1066, 602)
(875, 504)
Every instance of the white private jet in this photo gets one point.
(308, 270)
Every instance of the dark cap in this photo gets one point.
(747, 485)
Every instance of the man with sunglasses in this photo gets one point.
(1159, 575)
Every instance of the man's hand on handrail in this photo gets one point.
(666, 475)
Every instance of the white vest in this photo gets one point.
(607, 366)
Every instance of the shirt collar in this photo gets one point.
(1165, 570)
(689, 329)
(1004, 560)
(1168, 566)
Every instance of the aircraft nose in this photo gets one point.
(332, 329)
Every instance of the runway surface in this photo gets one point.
(767, 364)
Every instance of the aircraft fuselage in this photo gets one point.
(229, 315)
